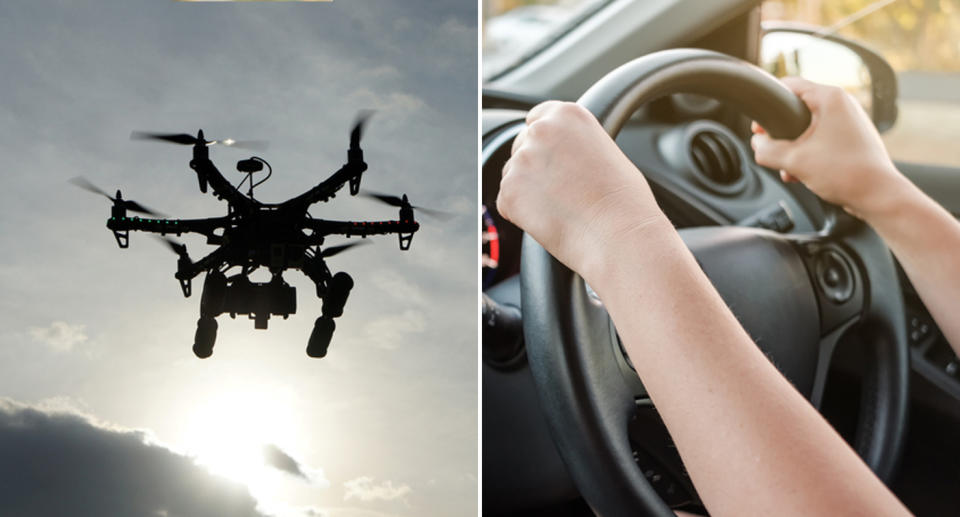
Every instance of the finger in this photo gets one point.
(538, 111)
(799, 85)
(757, 128)
(506, 169)
(503, 207)
(770, 152)
(518, 140)
(808, 91)
(812, 94)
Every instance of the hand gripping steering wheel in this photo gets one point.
(815, 288)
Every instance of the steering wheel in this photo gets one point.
(795, 294)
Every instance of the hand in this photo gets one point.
(570, 187)
(840, 157)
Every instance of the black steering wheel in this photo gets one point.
(795, 294)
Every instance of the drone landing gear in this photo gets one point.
(204, 338)
(211, 305)
(334, 299)
(214, 292)
(320, 337)
(355, 185)
(123, 238)
(405, 240)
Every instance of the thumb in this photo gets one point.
(770, 152)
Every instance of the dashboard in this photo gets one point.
(501, 238)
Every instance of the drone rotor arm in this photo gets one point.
(205, 227)
(328, 188)
(215, 258)
(187, 270)
(315, 268)
(322, 228)
(222, 189)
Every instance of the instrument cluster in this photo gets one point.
(501, 239)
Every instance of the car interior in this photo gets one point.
(566, 426)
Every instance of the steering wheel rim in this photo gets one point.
(586, 411)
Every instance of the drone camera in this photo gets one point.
(260, 300)
(249, 166)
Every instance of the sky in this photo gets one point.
(103, 407)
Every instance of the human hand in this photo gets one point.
(840, 157)
(570, 187)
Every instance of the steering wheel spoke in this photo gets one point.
(596, 359)
(825, 351)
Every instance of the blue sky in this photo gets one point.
(95, 341)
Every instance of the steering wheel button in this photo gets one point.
(951, 368)
(834, 276)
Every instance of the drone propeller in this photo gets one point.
(250, 145)
(399, 202)
(188, 139)
(357, 132)
(177, 247)
(334, 250)
(130, 205)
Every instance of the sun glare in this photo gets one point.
(228, 430)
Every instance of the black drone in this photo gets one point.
(254, 234)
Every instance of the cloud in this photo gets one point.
(63, 463)
(60, 335)
(399, 287)
(349, 512)
(457, 31)
(275, 457)
(399, 103)
(388, 331)
(364, 489)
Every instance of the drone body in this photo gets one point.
(256, 235)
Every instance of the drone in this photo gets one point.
(254, 235)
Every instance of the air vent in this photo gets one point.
(716, 159)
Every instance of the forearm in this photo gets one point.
(925, 238)
(752, 444)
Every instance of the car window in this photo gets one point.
(921, 40)
(516, 29)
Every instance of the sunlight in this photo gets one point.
(227, 432)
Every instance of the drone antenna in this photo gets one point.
(249, 166)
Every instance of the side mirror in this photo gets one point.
(808, 52)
